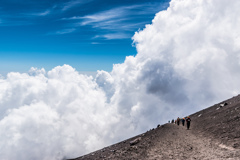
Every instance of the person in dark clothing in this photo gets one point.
(178, 121)
(188, 119)
(183, 121)
(172, 120)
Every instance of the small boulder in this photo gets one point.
(135, 141)
(223, 104)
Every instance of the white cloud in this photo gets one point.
(107, 15)
(106, 82)
(192, 45)
(114, 36)
(44, 13)
(188, 58)
(34, 71)
(63, 31)
(108, 19)
(115, 18)
(74, 3)
(49, 116)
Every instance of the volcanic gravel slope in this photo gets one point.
(214, 135)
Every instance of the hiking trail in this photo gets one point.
(176, 142)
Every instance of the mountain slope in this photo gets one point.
(214, 134)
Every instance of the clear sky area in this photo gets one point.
(89, 35)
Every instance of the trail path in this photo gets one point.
(169, 141)
(178, 143)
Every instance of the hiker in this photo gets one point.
(183, 121)
(178, 121)
(172, 120)
(188, 119)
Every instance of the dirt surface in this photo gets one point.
(214, 135)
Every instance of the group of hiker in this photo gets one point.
(182, 120)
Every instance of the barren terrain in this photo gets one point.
(214, 135)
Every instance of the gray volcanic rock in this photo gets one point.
(214, 134)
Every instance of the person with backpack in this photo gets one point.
(183, 121)
(188, 119)
(178, 121)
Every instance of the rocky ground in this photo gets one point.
(214, 135)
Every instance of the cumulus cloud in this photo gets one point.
(187, 59)
(197, 42)
(49, 116)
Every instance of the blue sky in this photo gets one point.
(89, 35)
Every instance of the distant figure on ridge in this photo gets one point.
(183, 121)
(172, 120)
(178, 121)
(188, 119)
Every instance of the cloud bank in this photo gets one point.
(188, 59)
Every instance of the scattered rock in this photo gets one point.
(236, 145)
(223, 104)
(135, 141)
